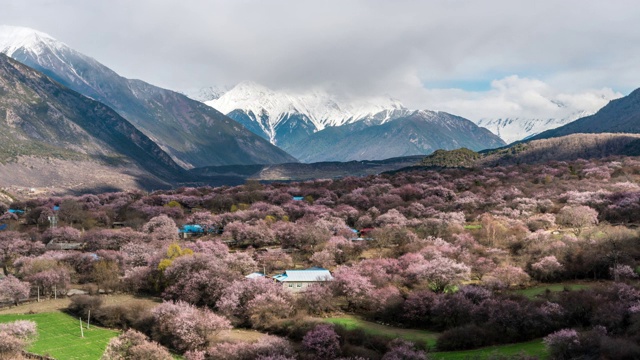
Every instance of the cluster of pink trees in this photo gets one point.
(134, 345)
(15, 337)
(401, 248)
(186, 327)
(14, 290)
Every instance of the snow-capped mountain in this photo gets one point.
(192, 133)
(285, 118)
(418, 132)
(207, 93)
(13, 39)
(559, 109)
(515, 129)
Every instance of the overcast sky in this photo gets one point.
(472, 58)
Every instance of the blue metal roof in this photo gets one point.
(298, 198)
(305, 275)
(56, 207)
(16, 211)
(192, 228)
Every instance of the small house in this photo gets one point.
(191, 230)
(63, 245)
(298, 280)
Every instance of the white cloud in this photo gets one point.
(572, 51)
(514, 96)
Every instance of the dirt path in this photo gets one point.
(61, 304)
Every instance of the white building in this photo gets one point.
(298, 280)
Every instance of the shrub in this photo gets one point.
(562, 343)
(133, 345)
(322, 341)
(403, 350)
(81, 305)
(462, 338)
(124, 316)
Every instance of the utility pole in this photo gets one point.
(88, 320)
(81, 331)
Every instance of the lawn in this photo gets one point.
(59, 336)
(416, 336)
(535, 348)
(533, 292)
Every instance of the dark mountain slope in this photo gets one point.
(39, 118)
(619, 116)
(192, 133)
(421, 132)
(564, 148)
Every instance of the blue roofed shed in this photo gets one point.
(192, 229)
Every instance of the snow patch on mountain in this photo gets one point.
(516, 128)
(207, 93)
(14, 38)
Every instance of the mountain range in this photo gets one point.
(286, 118)
(414, 133)
(317, 126)
(515, 129)
(192, 133)
(66, 118)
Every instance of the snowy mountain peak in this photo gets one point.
(206, 94)
(269, 109)
(14, 38)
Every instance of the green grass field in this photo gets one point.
(59, 336)
(532, 292)
(416, 336)
(535, 348)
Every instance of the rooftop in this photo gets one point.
(313, 274)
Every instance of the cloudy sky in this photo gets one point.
(477, 59)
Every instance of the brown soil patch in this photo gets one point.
(61, 304)
(239, 335)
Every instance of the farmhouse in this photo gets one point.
(298, 280)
